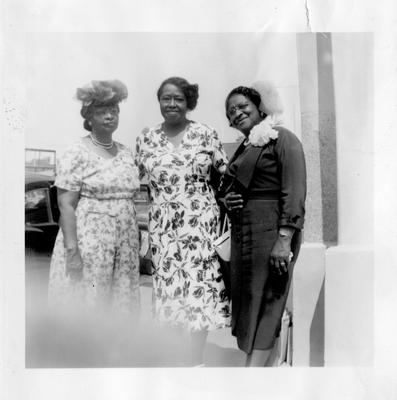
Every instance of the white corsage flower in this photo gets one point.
(262, 133)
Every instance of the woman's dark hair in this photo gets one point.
(249, 93)
(189, 90)
(86, 112)
(87, 126)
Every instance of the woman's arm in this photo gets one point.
(139, 157)
(280, 255)
(292, 175)
(291, 168)
(219, 156)
(67, 201)
(218, 167)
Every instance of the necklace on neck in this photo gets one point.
(106, 146)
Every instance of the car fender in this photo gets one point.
(32, 229)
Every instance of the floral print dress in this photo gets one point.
(188, 290)
(107, 232)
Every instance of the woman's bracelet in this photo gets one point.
(286, 231)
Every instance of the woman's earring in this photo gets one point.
(89, 123)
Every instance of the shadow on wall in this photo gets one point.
(327, 138)
(317, 328)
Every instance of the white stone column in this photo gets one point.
(349, 284)
(318, 134)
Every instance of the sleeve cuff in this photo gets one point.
(67, 186)
(296, 223)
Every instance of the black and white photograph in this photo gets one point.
(209, 201)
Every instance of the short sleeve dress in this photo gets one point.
(188, 289)
(107, 231)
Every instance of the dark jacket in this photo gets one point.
(280, 166)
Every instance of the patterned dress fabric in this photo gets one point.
(107, 232)
(188, 290)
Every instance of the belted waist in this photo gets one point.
(264, 194)
(105, 206)
(99, 198)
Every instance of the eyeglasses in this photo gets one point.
(231, 112)
(101, 111)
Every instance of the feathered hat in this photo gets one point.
(100, 93)
(271, 102)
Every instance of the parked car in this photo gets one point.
(41, 211)
(142, 204)
(42, 214)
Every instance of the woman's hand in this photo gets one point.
(233, 200)
(280, 255)
(67, 202)
(74, 264)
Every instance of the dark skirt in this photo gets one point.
(258, 295)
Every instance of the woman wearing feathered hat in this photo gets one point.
(265, 186)
(95, 263)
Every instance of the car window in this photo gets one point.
(141, 200)
(36, 206)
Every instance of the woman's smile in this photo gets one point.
(241, 119)
(243, 113)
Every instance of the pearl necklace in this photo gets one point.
(106, 146)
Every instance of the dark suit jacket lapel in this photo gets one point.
(237, 152)
(228, 179)
(247, 166)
